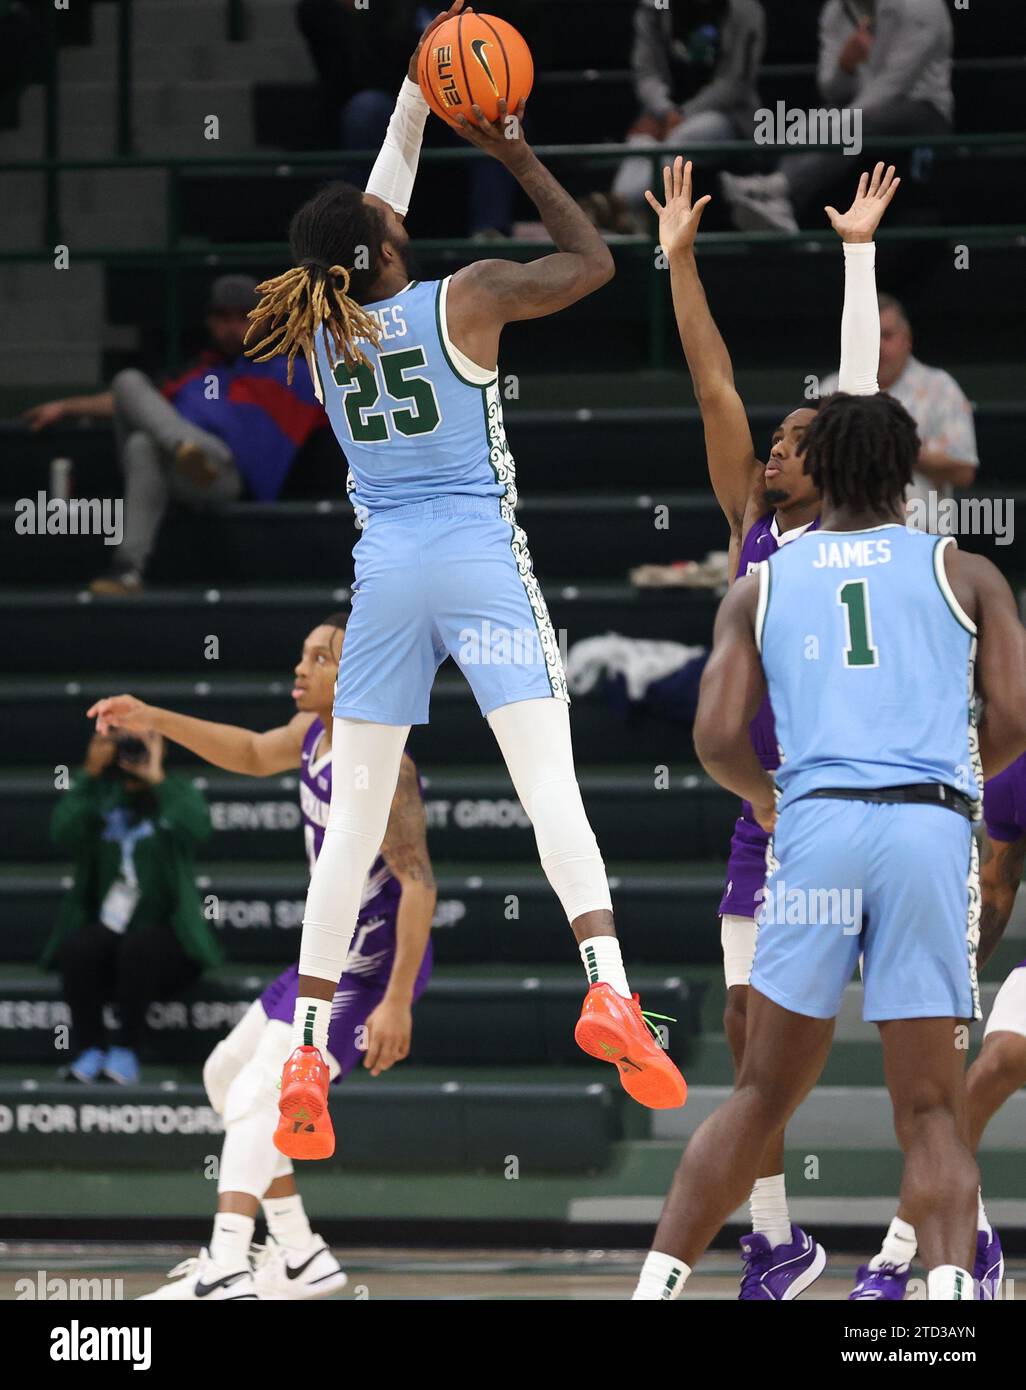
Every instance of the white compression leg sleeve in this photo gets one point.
(365, 762)
(248, 1156)
(534, 736)
(231, 1054)
(249, 1160)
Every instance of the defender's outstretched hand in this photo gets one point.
(121, 712)
(872, 200)
(678, 219)
(453, 10)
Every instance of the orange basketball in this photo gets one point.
(474, 58)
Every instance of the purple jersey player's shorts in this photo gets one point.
(1004, 805)
(746, 866)
(356, 997)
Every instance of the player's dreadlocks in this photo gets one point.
(335, 239)
(860, 450)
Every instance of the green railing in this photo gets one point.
(176, 253)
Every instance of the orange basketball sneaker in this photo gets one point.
(304, 1128)
(614, 1029)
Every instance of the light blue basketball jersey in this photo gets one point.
(869, 661)
(421, 421)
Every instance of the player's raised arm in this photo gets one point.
(395, 170)
(733, 686)
(985, 597)
(223, 745)
(860, 318)
(488, 294)
(733, 468)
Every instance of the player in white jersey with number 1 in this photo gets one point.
(408, 374)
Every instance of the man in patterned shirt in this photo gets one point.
(936, 402)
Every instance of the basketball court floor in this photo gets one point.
(124, 1271)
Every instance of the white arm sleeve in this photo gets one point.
(395, 168)
(860, 321)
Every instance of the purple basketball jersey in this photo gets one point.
(1004, 804)
(746, 866)
(370, 958)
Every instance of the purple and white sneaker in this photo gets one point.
(883, 1285)
(989, 1269)
(780, 1272)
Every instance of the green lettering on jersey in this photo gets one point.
(853, 597)
(368, 426)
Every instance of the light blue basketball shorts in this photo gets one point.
(897, 882)
(446, 577)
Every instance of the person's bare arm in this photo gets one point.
(223, 745)
(733, 686)
(405, 851)
(733, 468)
(486, 295)
(984, 595)
(1000, 876)
(939, 468)
(96, 407)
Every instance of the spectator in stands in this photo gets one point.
(360, 53)
(357, 51)
(131, 928)
(225, 428)
(934, 399)
(694, 66)
(894, 67)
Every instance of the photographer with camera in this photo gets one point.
(131, 928)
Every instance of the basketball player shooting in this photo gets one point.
(408, 372)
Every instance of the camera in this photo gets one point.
(131, 749)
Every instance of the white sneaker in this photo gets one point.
(759, 208)
(201, 1278)
(772, 185)
(777, 215)
(311, 1273)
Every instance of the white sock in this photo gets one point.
(287, 1221)
(662, 1276)
(310, 1023)
(603, 963)
(768, 1205)
(231, 1239)
(982, 1224)
(949, 1284)
(899, 1246)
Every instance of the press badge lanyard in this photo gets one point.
(122, 896)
